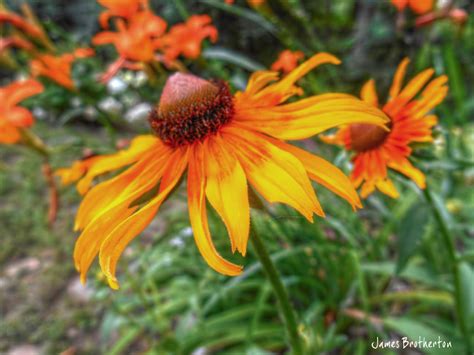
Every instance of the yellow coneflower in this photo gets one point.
(224, 142)
(376, 149)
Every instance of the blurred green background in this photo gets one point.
(382, 272)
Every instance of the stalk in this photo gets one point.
(286, 310)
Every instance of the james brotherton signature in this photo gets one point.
(405, 343)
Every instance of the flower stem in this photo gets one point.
(286, 310)
(448, 242)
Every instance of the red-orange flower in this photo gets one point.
(14, 41)
(12, 116)
(186, 38)
(21, 23)
(58, 68)
(287, 61)
(120, 8)
(226, 143)
(418, 6)
(376, 149)
(137, 39)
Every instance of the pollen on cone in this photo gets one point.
(182, 90)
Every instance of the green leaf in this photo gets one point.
(409, 232)
(229, 56)
(467, 293)
(416, 330)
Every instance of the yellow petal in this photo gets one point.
(112, 192)
(387, 187)
(327, 113)
(276, 174)
(115, 243)
(406, 168)
(99, 222)
(369, 93)
(115, 161)
(325, 173)
(227, 192)
(198, 215)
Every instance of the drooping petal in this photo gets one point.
(387, 187)
(111, 192)
(111, 162)
(324, 173)
(276, 174)
(406, 168)
(115, 243)
(369, 93)
(101, 220)
(198, 215)
(227, 192)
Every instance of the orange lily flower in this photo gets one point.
(418, 6)
(58, 68)
(15, 41)
(120, 8)
(13, 117)
(377, 150)
(225, 142)
(287, 61)
(138, 39)
(186, 38)
(21, 23)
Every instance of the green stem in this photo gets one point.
(286, 310)
(448, 242)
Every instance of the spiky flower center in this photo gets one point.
(190, 109)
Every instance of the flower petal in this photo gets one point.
(368, 93)
(300, 121)
(276, 174)
(100, 220)
(110, 162)
(227, 192)
(406, 168)
(198, 215)
(325, 173)
(118, 239)
(398, 78)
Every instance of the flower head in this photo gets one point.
(287, 61)
(58, 68)
(23, 24)
(136, 39)
(226, 143)
(410, 122)
(12, 116)
(186, 38)
(418, 6)
(120, 8)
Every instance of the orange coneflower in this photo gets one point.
(376, 149)
(58, 68)
(224, 142)
(418, 6)
(13, 117)
(287, 61)
(186, 38)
